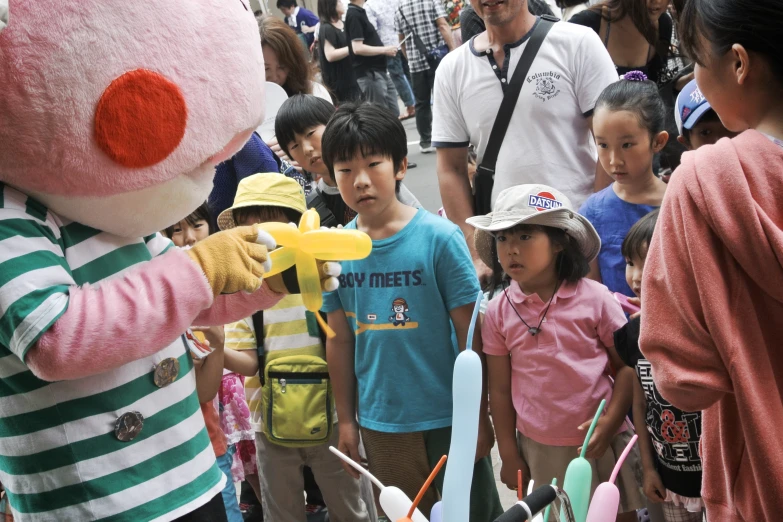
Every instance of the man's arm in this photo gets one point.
(457, 196)
(360, 48)
(445, 32)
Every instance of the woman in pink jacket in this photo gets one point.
(712, 319)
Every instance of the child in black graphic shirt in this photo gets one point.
(668, 437)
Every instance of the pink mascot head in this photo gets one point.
(114, 113)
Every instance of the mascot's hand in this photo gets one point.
(234, 260)
(327, 270)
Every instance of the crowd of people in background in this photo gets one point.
(608, 106)
(614, 266)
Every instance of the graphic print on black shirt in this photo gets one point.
(675, 434)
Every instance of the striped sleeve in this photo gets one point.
(240, 335)
(158, 244)
(34, 275)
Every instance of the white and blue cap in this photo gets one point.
(691, 106)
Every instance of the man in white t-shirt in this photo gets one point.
(548, 140)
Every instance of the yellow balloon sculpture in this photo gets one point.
(302, 246)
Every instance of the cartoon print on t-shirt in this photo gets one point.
(399, 307)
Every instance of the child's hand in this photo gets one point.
(349, 445)
(215, 335)
(653, 486)
(509, 470)
(486, 438)
(599, 442)
(637, 302)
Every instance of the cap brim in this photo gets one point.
(486, 222)
(694, 117)
(225, 219)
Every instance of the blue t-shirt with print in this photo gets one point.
(397, 302)
(613, 218)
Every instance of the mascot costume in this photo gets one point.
(113, 115)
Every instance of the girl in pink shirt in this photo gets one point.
(548, 337)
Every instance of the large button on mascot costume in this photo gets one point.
(113, 115)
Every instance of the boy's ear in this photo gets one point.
(682, 141)
(660, 140)
(402, 170)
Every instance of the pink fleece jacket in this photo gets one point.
(712, 323)
(134, 316)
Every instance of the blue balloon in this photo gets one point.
(466, 389)
(437, 513)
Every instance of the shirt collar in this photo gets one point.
(517, 296)
(506, 47)
(292, 18)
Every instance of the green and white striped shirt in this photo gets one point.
(59, 457)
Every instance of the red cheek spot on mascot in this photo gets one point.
(113, 115)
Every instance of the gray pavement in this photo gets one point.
(422, 181)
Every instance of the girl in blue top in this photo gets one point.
(628, 125)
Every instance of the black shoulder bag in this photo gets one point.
(433, 56)
(485, 173)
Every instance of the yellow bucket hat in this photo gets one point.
(264, 190)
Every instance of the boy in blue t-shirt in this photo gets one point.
(395, 315)
(301, 20)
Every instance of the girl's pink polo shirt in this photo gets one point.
(558, 377)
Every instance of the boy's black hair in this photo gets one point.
(364, 129)
(638, 238)
(265, 213)
(708, 116)
(640, 98)
(710, 27)
(201, 213)
(571, 263)
(286, 3)
(299, 113)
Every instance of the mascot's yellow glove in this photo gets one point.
(234, 260)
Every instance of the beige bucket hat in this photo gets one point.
(533, 205)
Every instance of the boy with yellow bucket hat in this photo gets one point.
(287, 387)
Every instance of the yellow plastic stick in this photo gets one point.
(304, 245)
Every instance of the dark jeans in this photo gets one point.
(212, 511)
(423, 83)
(395, 69)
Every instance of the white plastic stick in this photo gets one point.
(356, 466)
